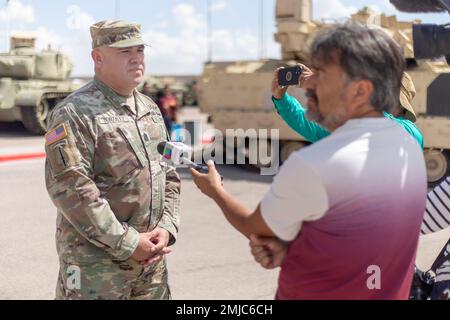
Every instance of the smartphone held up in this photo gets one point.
(289, 76)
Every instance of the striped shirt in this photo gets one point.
(436, 218)
(437, 212)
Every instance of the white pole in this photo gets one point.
(208, 31)
(7, 31)
(262, 48)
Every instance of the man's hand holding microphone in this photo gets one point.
(207, 179)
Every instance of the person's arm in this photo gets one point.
(70, 144)
(240, 217)
(410, 127)
(283, 209)
(267, 251)
(170, 219)
(292, 112)
(437, 211)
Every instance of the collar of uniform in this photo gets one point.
(120, 102)
(142, 106)
(117, 100)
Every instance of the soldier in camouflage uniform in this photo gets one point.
(117, 201)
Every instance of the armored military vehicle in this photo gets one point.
(237, 94)
(182, 89)
(32, 83)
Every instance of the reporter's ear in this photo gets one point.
(364, 90)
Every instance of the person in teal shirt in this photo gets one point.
(293, 113)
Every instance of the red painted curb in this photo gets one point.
(37, 155)
(24, 156)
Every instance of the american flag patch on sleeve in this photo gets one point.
(56, 134)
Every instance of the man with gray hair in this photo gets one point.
(350, 205)
(117, 201)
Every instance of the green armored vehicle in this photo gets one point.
(32, 83)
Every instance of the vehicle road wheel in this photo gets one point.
(35, 119)
(288, 148)
(189, 99)
(262, 155)
(437, 166)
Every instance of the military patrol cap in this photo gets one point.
(407, 93)
(116, 34)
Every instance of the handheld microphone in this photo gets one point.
(177, 153)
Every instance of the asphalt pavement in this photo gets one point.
(210, 260)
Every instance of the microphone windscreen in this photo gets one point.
(160, 148)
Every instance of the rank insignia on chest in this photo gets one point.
(56, 134)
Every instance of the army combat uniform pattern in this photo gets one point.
(109, 184)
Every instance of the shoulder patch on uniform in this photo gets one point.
(56, 134)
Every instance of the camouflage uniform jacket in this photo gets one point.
(104, 175)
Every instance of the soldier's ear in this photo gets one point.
(97, 57)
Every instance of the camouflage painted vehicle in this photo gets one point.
(185, 92)
(248, 83)
(31, 83)
(183, 89)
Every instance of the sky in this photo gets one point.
(175, 30)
